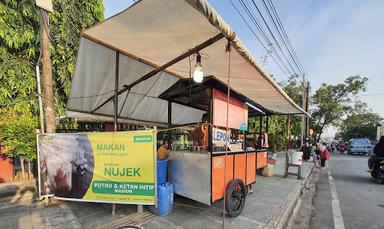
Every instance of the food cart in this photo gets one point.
(137, 66)
(207, 173)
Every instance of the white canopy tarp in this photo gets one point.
(149, 34)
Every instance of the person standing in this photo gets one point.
(333, 147)
(324, 154)
(162, 152)
(306, 150)
(200, 134)
(316, 156)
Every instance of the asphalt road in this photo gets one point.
(351, 192)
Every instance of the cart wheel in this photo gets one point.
(235, 198)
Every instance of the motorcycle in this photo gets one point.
(378, 169)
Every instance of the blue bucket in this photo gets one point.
(161, 171)
(164, 200)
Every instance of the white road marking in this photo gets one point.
(336, 211)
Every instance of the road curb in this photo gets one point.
(284, 212)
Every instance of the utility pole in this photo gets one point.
(47, 66)
(303, 118)
(45, 6)
(307, 109)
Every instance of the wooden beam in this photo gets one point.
(116, 95)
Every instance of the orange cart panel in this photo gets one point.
(261, 161)
(251, 168)
(218, 165)
(240, 166)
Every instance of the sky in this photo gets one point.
(332, 38)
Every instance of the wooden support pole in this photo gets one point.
(116, 106)
(210, 121)
(140, 208)
(169, 137)
(49, 96)
(116, 95)
(261, 131)
(289, 132)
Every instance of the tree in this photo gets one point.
(360, 123)
(18, 42)
(19, 53)
(294, 88)
(18, 131)
(19, 48)
(331, 102)
(278, 124)
(68, 20)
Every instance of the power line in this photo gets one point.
(273, 37)
(260, 29)
(264, 35)
(290, 65)
(284, 33)
(289, 71)
(257, 38)
(278, 28)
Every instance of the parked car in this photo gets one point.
(359, 145)
(341, 147)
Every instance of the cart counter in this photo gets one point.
(190, 174)
(200, 175)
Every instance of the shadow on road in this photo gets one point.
(29, 192)
(360, 179)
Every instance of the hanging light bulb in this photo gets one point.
(198, 72)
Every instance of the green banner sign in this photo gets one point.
(101, 167)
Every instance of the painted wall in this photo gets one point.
(6, 169)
